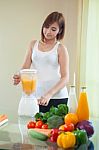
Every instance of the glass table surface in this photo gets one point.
(14, 136)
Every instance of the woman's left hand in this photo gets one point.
(44, 100)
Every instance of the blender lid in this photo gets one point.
(28, 71)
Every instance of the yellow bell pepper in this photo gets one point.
(66, 140)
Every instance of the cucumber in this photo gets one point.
(37, 135)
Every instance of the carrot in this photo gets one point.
(44, 131)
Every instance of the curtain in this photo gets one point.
(89, 58)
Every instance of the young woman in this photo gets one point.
(51, 60)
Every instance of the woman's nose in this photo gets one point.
(48, 30)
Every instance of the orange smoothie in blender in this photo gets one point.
(29, 86)
(28, 80)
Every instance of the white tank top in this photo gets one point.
(48, 70)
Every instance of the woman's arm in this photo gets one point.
(63, 59)
(26, 64)
(28, 58)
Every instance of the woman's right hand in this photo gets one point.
(16, 79)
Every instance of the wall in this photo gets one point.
(20, 21)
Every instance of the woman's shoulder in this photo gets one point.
(62, 47)
(32, 43)
(63, 52)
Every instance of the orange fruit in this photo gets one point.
(71, 118)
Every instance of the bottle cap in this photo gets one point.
(72, 85)
(83, 87)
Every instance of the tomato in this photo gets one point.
(39, 124)
(45, 126)
(69, 127)
(31, 124)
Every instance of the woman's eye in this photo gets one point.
(53, 29)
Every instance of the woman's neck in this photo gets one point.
(50, 42)
(47, 45)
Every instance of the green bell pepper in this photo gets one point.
(81, 137)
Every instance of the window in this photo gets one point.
(89, 58)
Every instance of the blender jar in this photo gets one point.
(28, 104)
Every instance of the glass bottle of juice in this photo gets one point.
(83, 108)
(72, 102)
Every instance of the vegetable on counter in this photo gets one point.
(55, 117)
(45, 126)
(67, 127)
(31, 124)
(37, 134)
(61, 110)
(39, 124)
(66, 140)
(54, 134)
(55, 121)
(86, 125)
(81, 137)
(44, 131)
(61, 127)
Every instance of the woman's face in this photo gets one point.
(51, 31)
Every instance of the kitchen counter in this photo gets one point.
(13, 135)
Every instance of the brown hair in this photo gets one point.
(50, 19)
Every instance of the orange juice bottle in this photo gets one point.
(83, 108)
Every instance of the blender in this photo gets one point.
(28, 104)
